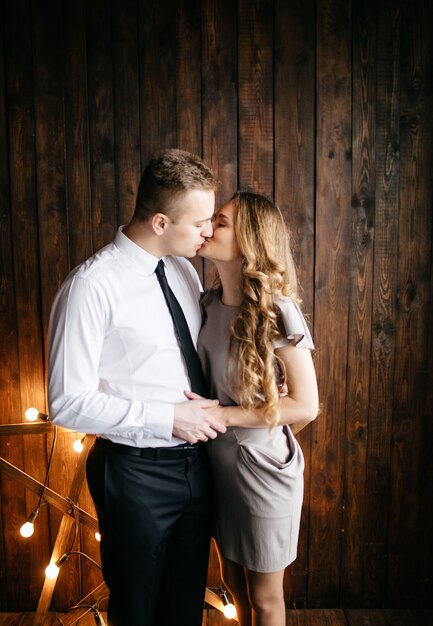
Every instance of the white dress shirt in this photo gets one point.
(115, 366)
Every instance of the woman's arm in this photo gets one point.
(298, 408)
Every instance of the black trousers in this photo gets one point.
(154, 517)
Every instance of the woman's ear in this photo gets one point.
(159, 223)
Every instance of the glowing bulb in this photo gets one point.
(31, 414)
(229, 611)
(98, 536)
(27, 529)
(52, 570)
(78, 445)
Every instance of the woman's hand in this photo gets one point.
(191, 395)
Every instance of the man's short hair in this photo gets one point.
(168, 175)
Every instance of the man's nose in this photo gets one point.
(207, 230)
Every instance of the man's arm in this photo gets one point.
(78, 325)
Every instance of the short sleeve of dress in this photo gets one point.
(295, 326)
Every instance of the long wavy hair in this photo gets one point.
(268, 273)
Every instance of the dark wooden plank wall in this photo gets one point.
(325, 104)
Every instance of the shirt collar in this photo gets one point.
(144, 261)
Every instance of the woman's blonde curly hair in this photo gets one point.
(268, 273)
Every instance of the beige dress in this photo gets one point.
(258, 474)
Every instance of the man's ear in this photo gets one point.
(159, 223)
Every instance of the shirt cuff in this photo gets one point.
(159, 422)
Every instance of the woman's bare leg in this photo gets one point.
(266, 597)
(233, 577)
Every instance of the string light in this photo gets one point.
(79, 444)
(99, 620)
(28, 528)
(31, 414)
(52, 570)
(229, 609)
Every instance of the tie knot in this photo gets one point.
(160, 272)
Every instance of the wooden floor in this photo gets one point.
(310, 617)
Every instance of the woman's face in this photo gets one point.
(222, 246)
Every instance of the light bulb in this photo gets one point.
(78, 445)
(31, 414)
(229, 611)
(98, 536)
(52, 570)
(27, 529)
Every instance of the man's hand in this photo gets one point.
(193, 422)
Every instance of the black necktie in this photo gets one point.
(192, 361)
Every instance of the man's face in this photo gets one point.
(185, 235)
(223, 246)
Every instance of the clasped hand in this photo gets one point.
(194, 421)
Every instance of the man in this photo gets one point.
(117, 369)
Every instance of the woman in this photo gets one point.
(253, 336)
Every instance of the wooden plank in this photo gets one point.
(365, 617)
(424, 534)
(60, 547)
(22, 587)
(9, 389)
(218, 23)
(294, 131)
(333, 195)
(384, 292)
(296, 617)
(359, 346)
(50, 146)
(157, 35)
(188, 76)
(412, 306)
(11, 619)
(400, 617)
(62, 543)
(48, 46)
(294, 93)
(219, 98)
(387, 617)
(326, 617)
(78, 202)
(77, 134)
(101, 131)
(26, 428)
(126, 106)
(213, 617)
(95, 597)
(50, 496)
(188, 85)
(255, 89)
